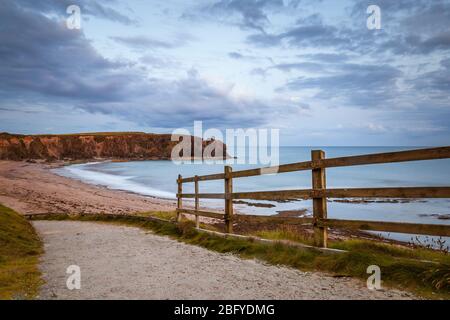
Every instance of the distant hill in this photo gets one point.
(85, 146)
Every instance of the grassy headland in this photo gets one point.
(20, 248)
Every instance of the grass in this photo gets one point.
(20, 248)
(286, 232)
(402, 268)
(166, 215)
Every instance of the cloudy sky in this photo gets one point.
(310, 68)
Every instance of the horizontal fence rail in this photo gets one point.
(376, 158)
(319, 194)
(406, 192)
(208, 214)
(400, 227)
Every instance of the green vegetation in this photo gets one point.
(423, 271)
(286, 232)
(165, 215)
(20, 248)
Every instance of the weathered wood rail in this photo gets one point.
(319, 194)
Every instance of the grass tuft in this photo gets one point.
(166, 215)
(286, 232)
(20, 248)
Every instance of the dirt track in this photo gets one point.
(119, 262)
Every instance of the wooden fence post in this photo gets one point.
(319, 200)
(197, 204)
(179, 199)
(228, 199)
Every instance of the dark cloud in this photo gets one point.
(409, 27)
(322, 63)
(249, 57)
(88, 7)
(235, 55)
(159, 62)
(289, 67)
(357, 84)
(326, 57)
(413, 44)
(440, 41)
(301, 66)
(49, 64)
(144, 42)
(258, 72)
(390, 9)
(18, 110)
(427, 17)
(252, 12)
(435, 84)
(47, 58)
(179, 103)
(308, 31)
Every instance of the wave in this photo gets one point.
(125, 183)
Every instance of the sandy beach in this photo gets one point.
(31, 188)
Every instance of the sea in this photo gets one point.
(158, 179)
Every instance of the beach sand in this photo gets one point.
(31, 188)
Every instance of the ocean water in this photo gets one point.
(158, 179)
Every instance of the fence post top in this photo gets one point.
(228, 170)
(317, 154)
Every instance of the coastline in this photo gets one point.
(31, 188)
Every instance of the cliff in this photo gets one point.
(126, 146)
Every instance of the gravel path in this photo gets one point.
(120, 262)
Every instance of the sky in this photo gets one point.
(312, 69)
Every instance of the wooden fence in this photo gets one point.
(319, 194)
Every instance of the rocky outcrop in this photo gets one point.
(126, 146)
